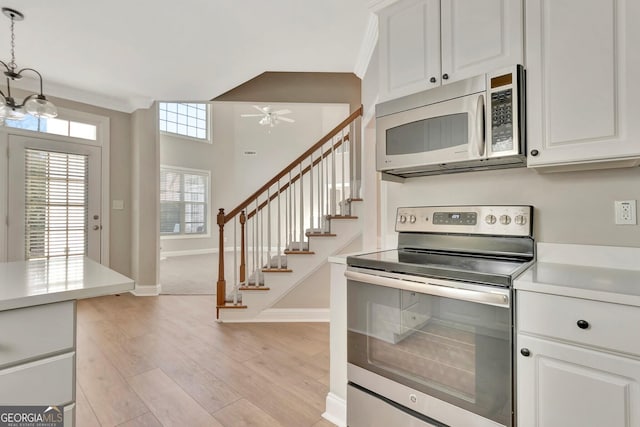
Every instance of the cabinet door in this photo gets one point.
(582, 81)
(568, 386)
(409, 43)
(480, 36)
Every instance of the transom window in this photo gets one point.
(184, 207)
(56, 126)
(185, 119)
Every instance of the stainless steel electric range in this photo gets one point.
(430, 324)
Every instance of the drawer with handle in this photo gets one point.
(31, 332)
(594, 323)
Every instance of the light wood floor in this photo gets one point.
(164, 361)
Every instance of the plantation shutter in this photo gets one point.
(56, 204)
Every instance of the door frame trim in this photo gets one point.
(102, 140)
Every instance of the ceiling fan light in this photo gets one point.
(40, 106)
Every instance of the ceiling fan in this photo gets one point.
(269, 117)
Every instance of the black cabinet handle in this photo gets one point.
(445, 76)
(534, 153)
(432, 79)
(582, 324)
(525, 352)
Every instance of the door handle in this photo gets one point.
(480, 142)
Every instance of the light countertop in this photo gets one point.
(595, 283)
(342, 258)
(598, 273)
(35, 282)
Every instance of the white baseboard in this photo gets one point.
(147, 290)
(288, 315)
(335, 410)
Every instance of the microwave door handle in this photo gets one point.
(480, 131)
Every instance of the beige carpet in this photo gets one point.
(189, 274)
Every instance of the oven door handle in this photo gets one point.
(488, 298)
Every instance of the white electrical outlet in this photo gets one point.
(625, 212)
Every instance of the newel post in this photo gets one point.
(243, 220)
(221, 288)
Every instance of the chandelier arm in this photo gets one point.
(5, 65)
(39, 76)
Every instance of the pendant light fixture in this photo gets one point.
(36, 104)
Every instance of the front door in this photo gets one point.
(54, 199)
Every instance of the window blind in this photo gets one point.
(56, 204)
(183, 202)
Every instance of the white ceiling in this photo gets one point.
(125, 54)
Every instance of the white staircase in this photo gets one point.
(287, 229)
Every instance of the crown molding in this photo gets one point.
(57, 90)
(369, 42)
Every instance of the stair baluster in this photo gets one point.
(268, 228)
(311, 222)
(243, 267)
(235, 264)
(301, 184)
(279, 236)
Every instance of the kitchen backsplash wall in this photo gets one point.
(570, 207)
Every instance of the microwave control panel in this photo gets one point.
(505, 110)
(502, 120)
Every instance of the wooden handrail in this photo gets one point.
(292, 165)
(296, 178)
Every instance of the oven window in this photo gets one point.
(428, 135)
(454, 350)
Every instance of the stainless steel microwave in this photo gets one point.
(472, 124)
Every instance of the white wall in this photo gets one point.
(235, 176)
(570, 207)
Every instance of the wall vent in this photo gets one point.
(249, 153)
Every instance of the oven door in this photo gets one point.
(439, 348)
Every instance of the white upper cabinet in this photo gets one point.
(426, 43)
(583, 64)
(480, 36)
(409, 46)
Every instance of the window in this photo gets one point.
(185, 119)
(184, 207)
(56, 194)
(56, 126)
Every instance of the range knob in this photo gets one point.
(412, 219)
(505, 219)
(402, 219)
(490, 219)
(520, 220)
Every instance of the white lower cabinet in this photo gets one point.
(568, 386)
(570, 379)
(37, 357)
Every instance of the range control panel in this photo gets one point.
(490, 220)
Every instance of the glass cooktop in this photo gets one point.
(468, 268)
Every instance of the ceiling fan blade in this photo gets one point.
(263, 110)
(286, 119)
(251, 115)
(281, 112)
